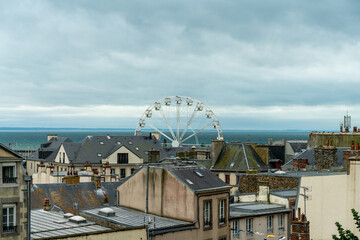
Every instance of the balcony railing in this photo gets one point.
(9, 229)
(9, 180)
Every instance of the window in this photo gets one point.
(281, 222)
(249, 226)
(8, 173)
(237, 179)
(222, 212)
(227, 179)
(270, 224)
(63, 157)
(132, 170)
(222, 238)
(9, 218)
(112, 171)
(122, 172)
(207, 214)
(235, 227)
(30, 165)
(123, 158)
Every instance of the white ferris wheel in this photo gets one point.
(179, 119)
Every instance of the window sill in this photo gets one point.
(207, 228)
(222, 225)
(9, 185)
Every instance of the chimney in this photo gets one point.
(105, 199)
(47, 205)
(263, 195)
(51, 136)
(153, 156)
(355, 129)
(216, 147)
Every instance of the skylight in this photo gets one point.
(199, 174)
(137, 148)
(99, 154)
(190, 182)
(130, 143)
(118, 143)
(101, 142)
(232, 164)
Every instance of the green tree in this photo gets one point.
(347, 234)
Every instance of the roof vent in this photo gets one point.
(68, 215)
(108, 212)
(199, 174)
(190, 182)
(77, 219)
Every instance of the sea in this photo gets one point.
(31, 139)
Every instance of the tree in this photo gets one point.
(347, 234)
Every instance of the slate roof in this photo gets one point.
(49, 149)
(95, 148)
(298, 146)
(239, 157)
(132, 218)
(86, 195)
(197, 178)
(310, 155)
(285, 193)
(47, 224)
(241, 210)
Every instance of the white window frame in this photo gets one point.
(281, 223)
(222, 211)
(249, 225)
(207, 213)
(270, 224)
(8, 206)
(8, 165)
(235, 226)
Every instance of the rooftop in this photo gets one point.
(240, 210)
(47, 224)
(132, 218)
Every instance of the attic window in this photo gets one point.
(101, 142)
(99, 154)
(130, 143)
(118, 143)
(232, 164)
(199, 174)
(189, 182)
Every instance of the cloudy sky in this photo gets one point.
(256, 64)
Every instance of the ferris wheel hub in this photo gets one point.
(175, 143)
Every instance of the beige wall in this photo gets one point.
(13, 194)
(233, 182)
(112, 159)
(331, 200)
(167, 196)
(260, 225)
(124, 234)
(60, 155)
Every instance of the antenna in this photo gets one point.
(347, 122)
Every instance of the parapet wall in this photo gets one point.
(317, 139)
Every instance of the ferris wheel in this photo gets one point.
(179, 119)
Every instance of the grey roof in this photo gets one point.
(197, 178)
(298, 146)
(241, 210)
(299, 174)
(285, 193)
(86, 195)
(132, 218)
(46, 224)
(310, 155)
(48, 151)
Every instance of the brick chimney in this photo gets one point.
(263, 194)
(153, 156)
(325, 157)
(47, 205)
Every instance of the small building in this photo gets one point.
(249, 219)
(13, 195)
